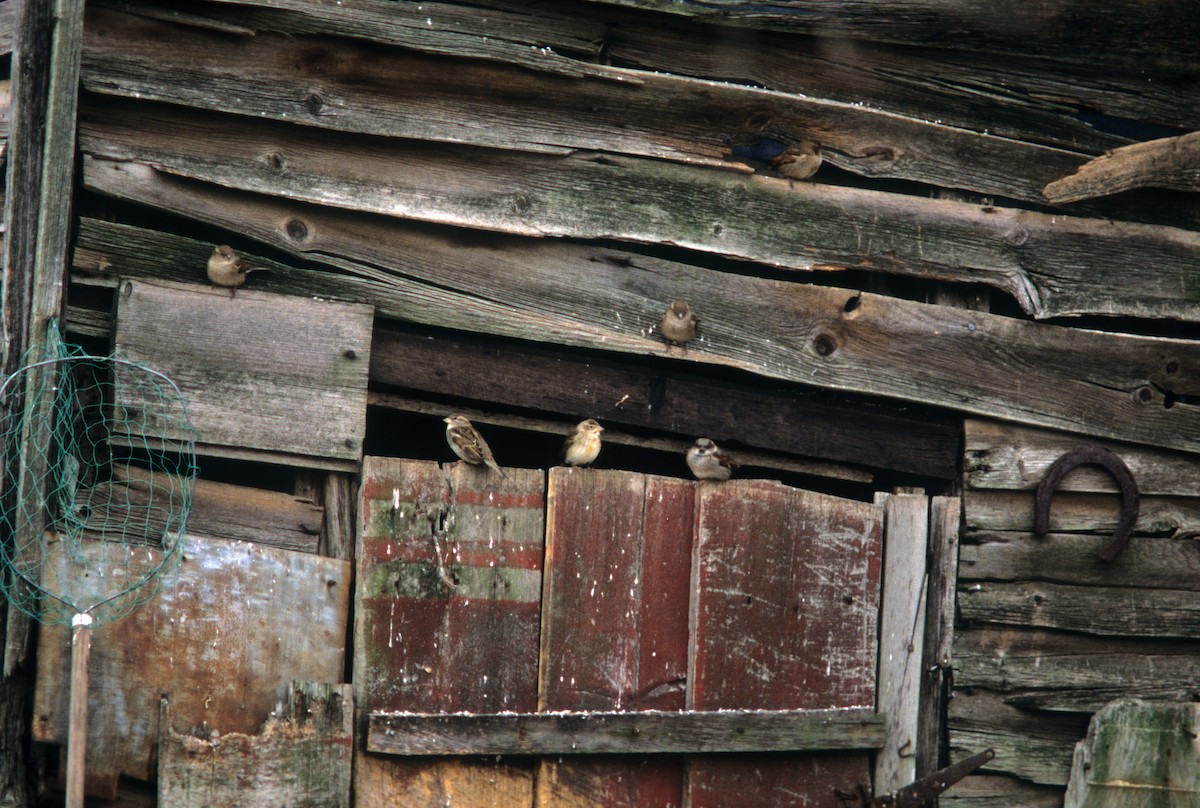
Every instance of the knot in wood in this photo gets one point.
(824, 344)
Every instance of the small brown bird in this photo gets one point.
(799, 161)
(227, 269)
(583, 444)
(708, 462)
(678, 324)
(468, 444)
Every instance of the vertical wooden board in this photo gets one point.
(614, 622)
(301, 759)
(785, 599)
(447, 610)
(224, 637)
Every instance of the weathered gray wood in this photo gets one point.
(1172, 162)
(301, 757)
(1010, 456)
(1138, 754)
(1146, 563)
(592, 733)
(1094, 513)
(1163, 34)
(945, 513)
(1115, 611)
(1033, 745)
(901, 637)
(648, 114)
(339, 497)
(999, 791)
(252, 366)
(1056, 671)
(1051, 265)
(223, 635)
(1071, 379)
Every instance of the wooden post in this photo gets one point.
(81, 650)
(944, 514)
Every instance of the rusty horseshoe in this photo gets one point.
(1091, 456)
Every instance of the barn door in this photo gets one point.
(658, 594)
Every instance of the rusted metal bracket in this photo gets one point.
(922, 791)
(1095, 456)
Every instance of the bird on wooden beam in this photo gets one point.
(229, 270)
(468, 444)
(678, 324)
(583, 444)
(709, 462)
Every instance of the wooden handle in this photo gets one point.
(81, 647)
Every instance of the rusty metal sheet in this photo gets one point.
(224, 636)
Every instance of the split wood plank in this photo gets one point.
(1164, 36)
(301, 758)
(251, 365)
(999, 791)
(1015, 457)
(785, 600)
(345, 86)
(1073, 379)
(1092, 513)
(1035, 746)
(901, 635)
(945, 514)
(1172, 162)
(1138, 753)
(1064, 558)
(652, 731)
(446, 615)
(1050, 265)
(1055, 671)
(223, 635)
(614, 622)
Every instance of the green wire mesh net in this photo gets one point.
(98, 472)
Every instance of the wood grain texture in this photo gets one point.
(945, 515)
(1072, 379)
(1050, 265)
(345, 86)
(1091, 513)
(614, 622)
(301, 758)
(223, 636)
(446, 613)
(1172, 162)
(253, 365)
(1000, 791)
(643, 732)
(785, 621)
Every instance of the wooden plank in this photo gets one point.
(1172, 162)
(1138, 753)
(999, 791)
(1093, 513)
(652, 731)
(339, 496)
(446, 614)
(1056, 671)
(223, 636)
(1146, 613)
(1145, 563)
(302, 757)
(1011, 456)
(280, 359)
(648, 114)
(1051, 265)
(901, 636)
(785, 621)
(1033, 745)
(614, 622)
(945, 513)
(880, 346)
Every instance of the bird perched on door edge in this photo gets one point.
(583, 444)
(678, 323)
(468, 444)
(227, 269)
(708, 462)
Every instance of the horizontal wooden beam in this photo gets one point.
(653, 732)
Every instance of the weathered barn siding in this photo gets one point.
(487, 206)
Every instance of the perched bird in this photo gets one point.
(678, 324)
(708, 462)
(583, 444)
(468, 444)
(227, 269)
(799, 161)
